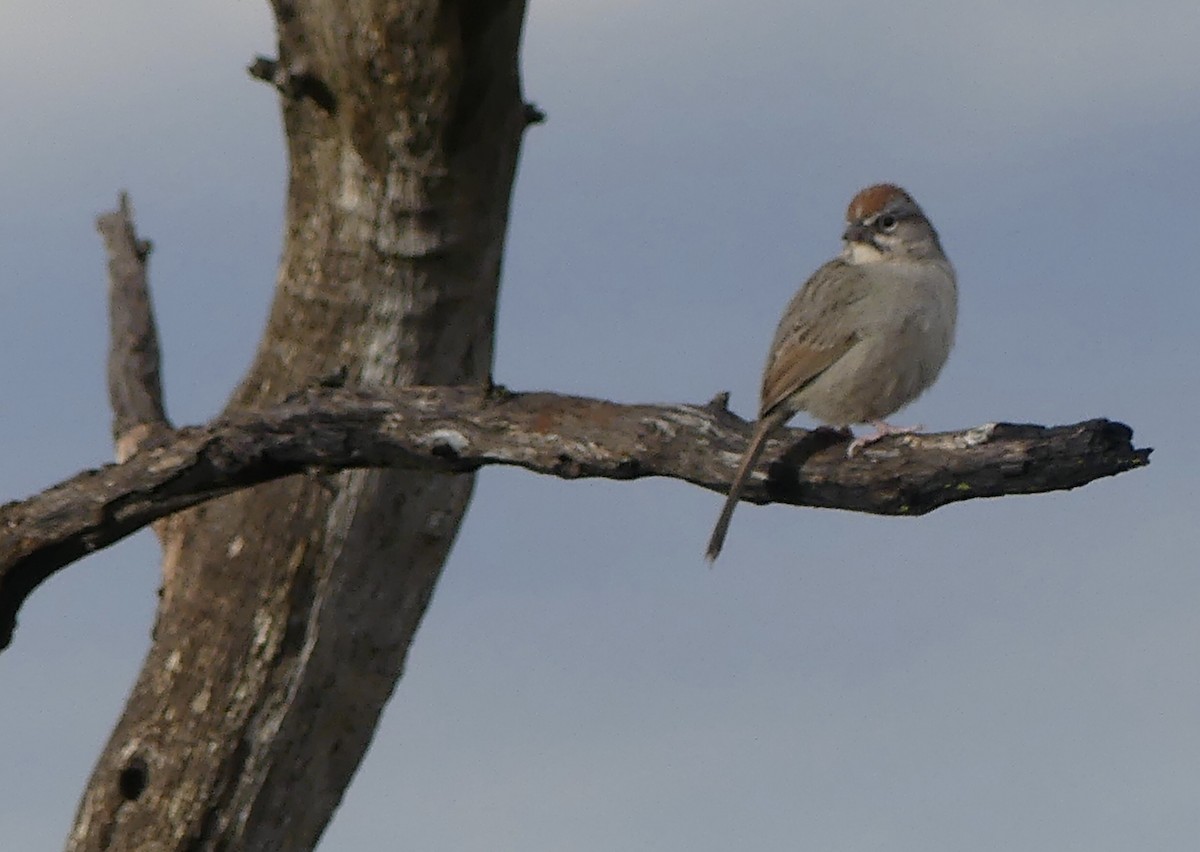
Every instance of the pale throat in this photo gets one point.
(856, 253)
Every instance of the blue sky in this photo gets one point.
(1006, 674)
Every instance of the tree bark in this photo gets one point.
(459, 430)
(287, 610)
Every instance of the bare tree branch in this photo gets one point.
(134, 381)
(457, 430)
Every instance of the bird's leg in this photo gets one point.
(882, 430)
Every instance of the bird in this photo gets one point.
(867, 333)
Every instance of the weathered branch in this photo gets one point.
(134, 382)
(456, 430)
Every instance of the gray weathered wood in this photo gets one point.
(458, 430)
(134, 378)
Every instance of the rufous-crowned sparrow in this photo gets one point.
(864, 336)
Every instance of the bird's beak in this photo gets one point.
(857, 232)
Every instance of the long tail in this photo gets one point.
(762, 430)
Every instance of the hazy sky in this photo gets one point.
(1014, 674)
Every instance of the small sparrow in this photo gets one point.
(864, 336)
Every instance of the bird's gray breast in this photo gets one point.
(905, 328)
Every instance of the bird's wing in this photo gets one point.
(818, 327)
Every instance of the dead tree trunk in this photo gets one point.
(287, 610)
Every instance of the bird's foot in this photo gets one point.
(882, 430)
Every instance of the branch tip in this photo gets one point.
(533, 114)
(719, 404)
(294, 81)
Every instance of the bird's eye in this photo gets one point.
(886, 223)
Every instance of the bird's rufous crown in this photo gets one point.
(872, 200)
